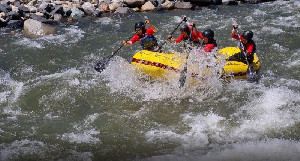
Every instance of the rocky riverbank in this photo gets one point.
(38, 17)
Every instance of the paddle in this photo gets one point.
(183, 19)
(183, 73)
(101, 65)
(250, 73)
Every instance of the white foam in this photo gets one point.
(273, 111)
(202, 128)
(270, 149)
(29, 43)
(84, 132)
(259, 12)
(71, 35)
(37, 150)
(21, 148)
(11, 88)
(122, 78)
(87, 136)
(272, 30)
(280, 47)
(290, 21)
(294, 60)
(249, 19)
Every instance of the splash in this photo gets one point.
(70, 36)
(201, 81)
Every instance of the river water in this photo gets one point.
(55, 106)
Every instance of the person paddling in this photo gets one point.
(144, 35)
(186, 35)
(208, 44)
(248, 46)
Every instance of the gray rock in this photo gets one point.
(134, 3)
(34, 28)
(15, 24)
(57, 17)
(5, 8)
(104, 20)
(13, 15)
(76, 13)
(183, 5)
(23, 8)
(3, 22)
(253, 1)
(89, 9)
(200, 2)
(123, 10)
(41, 19)
(57, 9)
(67, 11)
(17, 3)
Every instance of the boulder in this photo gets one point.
(134, 3)
(57, 17)
(123, 10)
(32, 9)
(17, 3)
(89, 9)
(13, 15)
(34, 28)
(229, 2)
(3, 22)
(148, 6)
(46, 7)
(67, 11)
(76, 13)
(41, 19)
(114, 6)
(32, 3)
(104, 20)
(104, 7)
(168, 5)
(23, 9)
(200, 2)
(253, 1)
(183, 5)
(154, 2)
(5, 8)
(216, 2)
(57, 9)
(60, 2)
(15, 24)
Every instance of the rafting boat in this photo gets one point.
(163, 65)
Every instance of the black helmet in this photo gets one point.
(140, 25)
(248, 35)
(208, 33)
(185, 28)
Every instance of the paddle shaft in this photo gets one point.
(242, 50)
(101, 65)
(251, 76)
(184, 19)
(123, 44)
(183, 73)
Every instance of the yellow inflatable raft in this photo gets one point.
(163, 65)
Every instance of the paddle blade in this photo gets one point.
(251, 75)
(182, 77)
(102, 64)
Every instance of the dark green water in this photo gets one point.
(55, 106)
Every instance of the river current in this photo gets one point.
(55, 106)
